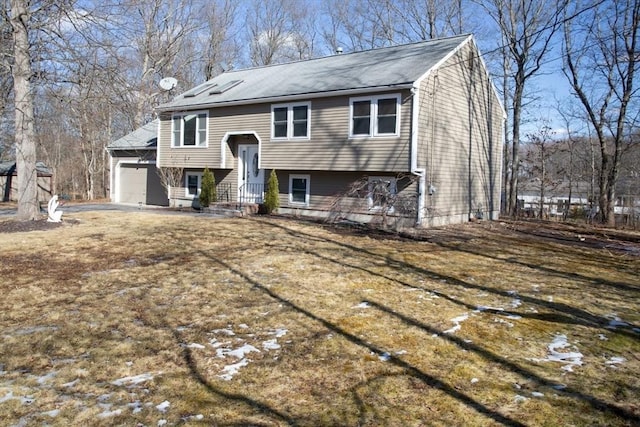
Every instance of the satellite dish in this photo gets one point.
(168, 83)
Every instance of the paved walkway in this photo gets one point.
(89, 207)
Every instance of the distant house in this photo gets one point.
(9, 181)
(412, 131)
(133, 174)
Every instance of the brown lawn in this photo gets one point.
(158, 319)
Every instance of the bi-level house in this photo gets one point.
(415, 130)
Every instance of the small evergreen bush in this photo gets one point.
(272, 197)
(208, 192)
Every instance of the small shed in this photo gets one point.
(9, 181)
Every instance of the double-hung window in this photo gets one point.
(299, 190)
(189, 129)
(291, 121)
(375, 116)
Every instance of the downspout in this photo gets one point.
(419, 172)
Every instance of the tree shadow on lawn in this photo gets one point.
(411, 370)
(571, 315)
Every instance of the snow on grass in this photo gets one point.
(363, 304)
(612, 361)
(568, 359)
(230, 370)
(133, 380)
(195, 345)
(238, 353)
(271, 345)
(456, 323)
(162, 407)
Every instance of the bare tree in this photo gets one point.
(277, 32)
(222, 50)
(171, 177)
(25, 139)
(539, 156)
(527, 29)
(601, 58)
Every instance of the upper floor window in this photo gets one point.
(291, 121)
(375, 116)
(189, 129)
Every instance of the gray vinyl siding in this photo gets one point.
(331, 149)
(327, 187)
(460, 138)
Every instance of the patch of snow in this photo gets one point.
(133, 380)
(243, 326)
(271, 345)
(162, 422)
(27, 400)
(517, 302)
(550, 298)
(616, 321)
(53, 413)
(162, 407)
(45, 378)
(195, 345)
(456, 321)
(6, 397)
(362, 305)
(401, 352)
(498, 320)
(238, 353)
(230, 370)
(136, 407)
(559, 387)
(227, 331)
(512, 292)
(514, 317)
(615, 361)
(482, 308)
(71, 383)
(570, 359)
(384, 357)
(474, 380)
(603, 337)
(279, 333)
(537, 394)
(520, 399)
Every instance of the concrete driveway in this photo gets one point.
(9, 211)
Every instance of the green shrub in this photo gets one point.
(208, 193)
(272, 196)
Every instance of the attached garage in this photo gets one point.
(134, 176)
(140, 183)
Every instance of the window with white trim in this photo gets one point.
(291, 121)
(382, 191)
(189, 129)
(192, 184)
(299, 190)
(374, 116)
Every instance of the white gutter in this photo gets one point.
(420, 172)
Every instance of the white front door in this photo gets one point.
(250, 177)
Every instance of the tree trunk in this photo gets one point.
(25, 141)
(515, 157)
